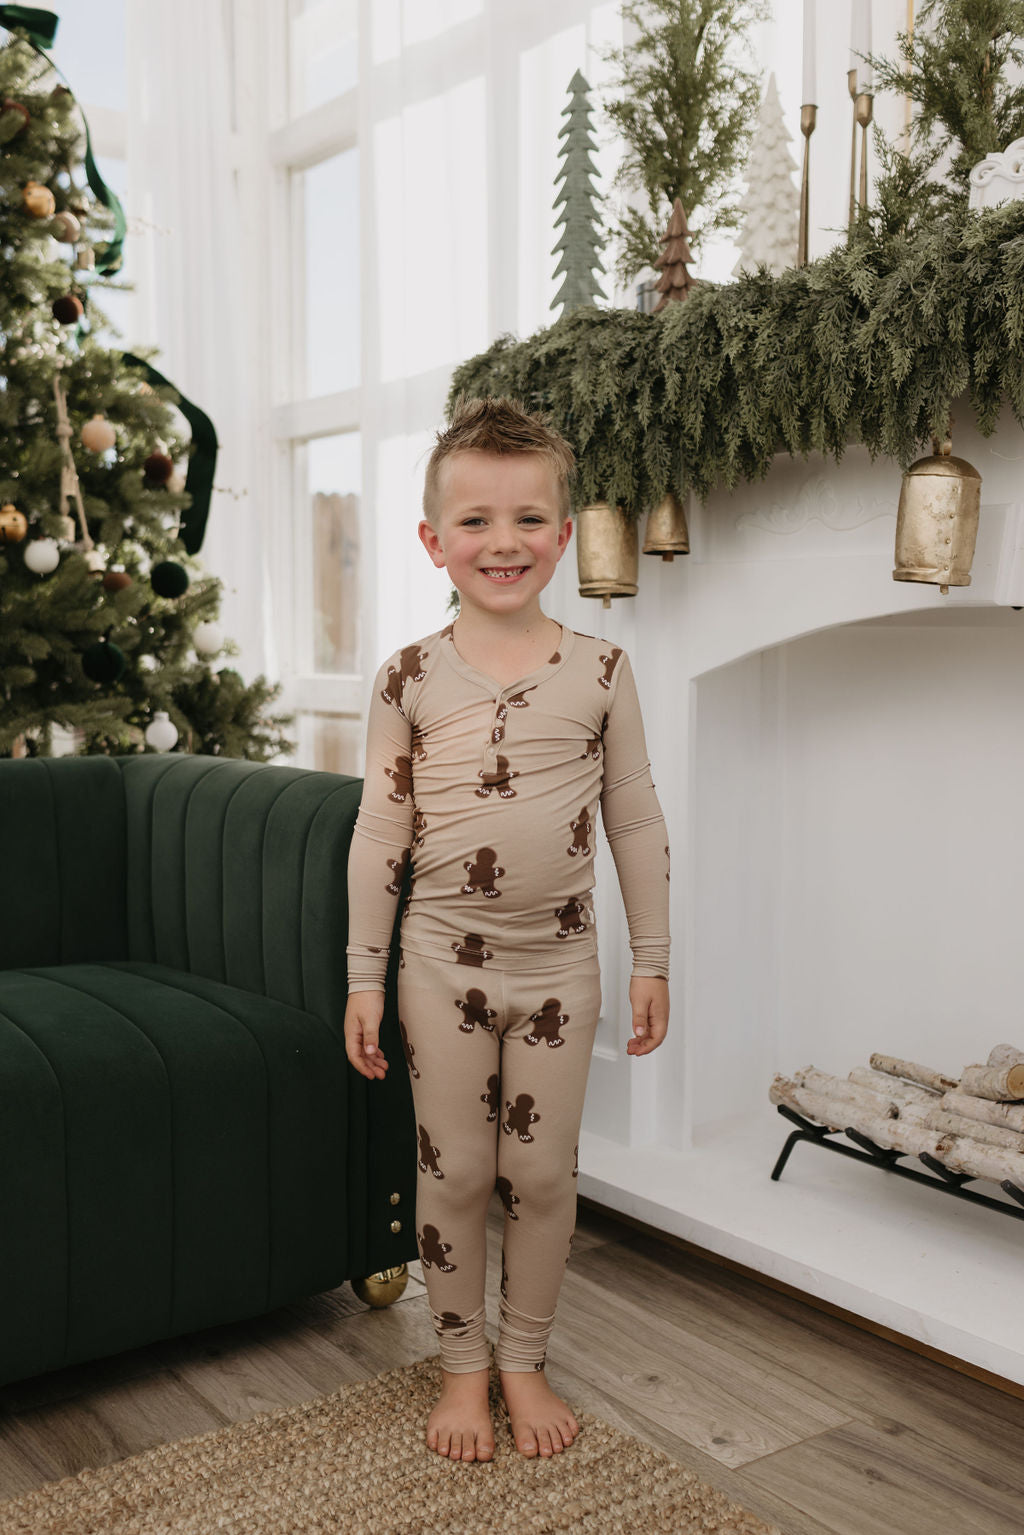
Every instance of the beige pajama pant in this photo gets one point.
(498, 1061)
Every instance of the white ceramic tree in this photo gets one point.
(771, 205)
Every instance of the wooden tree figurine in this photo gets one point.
(580, 236)
(675, 281)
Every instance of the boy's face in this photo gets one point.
(499, 512)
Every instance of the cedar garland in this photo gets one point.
(872, 343)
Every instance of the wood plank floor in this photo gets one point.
(811, 1423)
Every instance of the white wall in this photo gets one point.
(857, 854)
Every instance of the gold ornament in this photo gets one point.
(606, 552)
(97, 434)
(937, 522)
(13, 524)
(86, 259)
(383, 1288)
(667, 533)
(39, 201)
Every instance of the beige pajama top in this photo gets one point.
(492, 794)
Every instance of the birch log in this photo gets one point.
(999, 1082)
(900, 1092)
(845, 1091)
(925, 1075)
(940, 1119)
(960, 1154)
(1004, 1055)
(1009, 1114)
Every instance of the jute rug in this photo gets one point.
(355, 1463)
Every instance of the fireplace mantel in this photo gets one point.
(838, 758)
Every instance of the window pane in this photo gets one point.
(336, 742)
(89, 50)
(325, 52)
(334, 484)
(330, 199)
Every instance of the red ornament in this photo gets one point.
(158, 468)
(16, 106)
(69, 309)
(116, 580)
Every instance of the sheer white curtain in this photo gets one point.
(189, 259)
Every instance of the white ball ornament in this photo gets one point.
(98, 435)
(208, 639)
(42, 556)
(95, 560)
(162, 734)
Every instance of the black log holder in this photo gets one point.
(886, 1157)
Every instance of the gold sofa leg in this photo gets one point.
(383, 1288)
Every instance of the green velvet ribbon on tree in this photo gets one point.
(199, 479)
(41, 29)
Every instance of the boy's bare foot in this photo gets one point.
(541, 1422)
(460, 1424)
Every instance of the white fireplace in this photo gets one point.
(840, 759)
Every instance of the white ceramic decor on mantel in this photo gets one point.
(999, 178)
(838, 758)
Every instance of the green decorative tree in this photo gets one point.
(106, 618)
(685, 104)
(961, 68)
(771, 203)
(581, 238)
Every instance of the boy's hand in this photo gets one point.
(363, 1014)
(648, 998)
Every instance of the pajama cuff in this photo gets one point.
(522, 1340)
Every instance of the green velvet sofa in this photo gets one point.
(183, 1141)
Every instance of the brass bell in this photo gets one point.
(606, 552)
(383, 1288)
(937, 522)
(667, 533)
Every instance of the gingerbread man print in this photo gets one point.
(409, 669)
(482, 873)
(475, 1010)
(451, 1322)
(508, 1198)
(408, 1048)
(398, 866)
(401, 774)
(547, 1024)
(520, 1117)
(429, 1155)
(419, 826)
(499, 780)
(608, 663)
(471, 950)
(416, 746)
(490, 1097)
(570, 918)
(514, 701)
(433, 1250)
(580, 835)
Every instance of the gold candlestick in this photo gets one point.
(863, 107)
(851, 81)
(808, 120)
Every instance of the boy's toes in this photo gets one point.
(526, 1444)
(544, 1441)
(484, 1449)
(456, 1450)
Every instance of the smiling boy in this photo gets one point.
(490, 745)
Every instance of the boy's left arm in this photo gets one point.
(635, 828)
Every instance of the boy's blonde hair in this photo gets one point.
(498, 424)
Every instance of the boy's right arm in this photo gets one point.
(380, 847)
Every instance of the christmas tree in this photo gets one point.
(961, 67)
(580, 236)
(771, 205)
(107, 620)
(685, 104)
